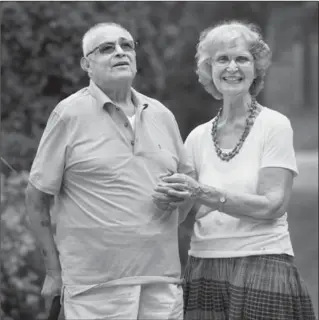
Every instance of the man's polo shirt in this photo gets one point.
(103, 175)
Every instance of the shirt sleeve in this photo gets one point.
(278, 147)
(185, 165)
(191, 153)
(48, 166)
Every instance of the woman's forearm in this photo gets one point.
(241, 204)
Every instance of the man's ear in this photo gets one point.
(85, 64)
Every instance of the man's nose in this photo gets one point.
(118, 49)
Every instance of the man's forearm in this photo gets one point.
(184, 209)
(38, 208)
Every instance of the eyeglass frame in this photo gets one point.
(135, 44)
(248, 62)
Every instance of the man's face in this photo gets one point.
(115, 58)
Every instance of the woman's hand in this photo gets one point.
(162, 199)
(177, 189)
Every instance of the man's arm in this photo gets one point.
(38, 208)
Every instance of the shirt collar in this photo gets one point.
(103, 100)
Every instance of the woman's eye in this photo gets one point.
(222, 59)
(242, 59)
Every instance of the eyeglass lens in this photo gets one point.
(226, 60)
(109, 47)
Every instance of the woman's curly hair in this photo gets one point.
(228, 32)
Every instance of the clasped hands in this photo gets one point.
(174, 190)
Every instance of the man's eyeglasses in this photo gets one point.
(224, 61)
(109, 47)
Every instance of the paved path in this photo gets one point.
(303, 221)
(308, 171)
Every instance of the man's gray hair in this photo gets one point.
(87, 38)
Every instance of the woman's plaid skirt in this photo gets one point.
(265, 287)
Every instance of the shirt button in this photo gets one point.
(126, 124)
(132, 143)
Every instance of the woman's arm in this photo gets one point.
(270, 202)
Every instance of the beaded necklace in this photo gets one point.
(226, 156)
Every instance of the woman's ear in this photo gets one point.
(255, 72)
(85, 64)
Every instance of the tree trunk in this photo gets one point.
(263, 22)
(307, 63)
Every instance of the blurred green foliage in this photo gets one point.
(21, 271)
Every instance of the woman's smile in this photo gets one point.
(232, 79)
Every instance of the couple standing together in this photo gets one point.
(112, 167)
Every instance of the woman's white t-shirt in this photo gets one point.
(216, 234)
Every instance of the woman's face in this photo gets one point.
(233, 69)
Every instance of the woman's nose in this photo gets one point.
(232, 65)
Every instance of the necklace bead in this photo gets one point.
(226, 156)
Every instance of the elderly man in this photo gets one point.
(101, 155)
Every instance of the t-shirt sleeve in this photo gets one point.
(190, 145)
(278, 148)
(48, 166)
(185, 165)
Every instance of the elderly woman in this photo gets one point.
(241, 261)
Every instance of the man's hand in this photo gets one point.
(51, 287)
(166, 202)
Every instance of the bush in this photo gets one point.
(21, 274)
